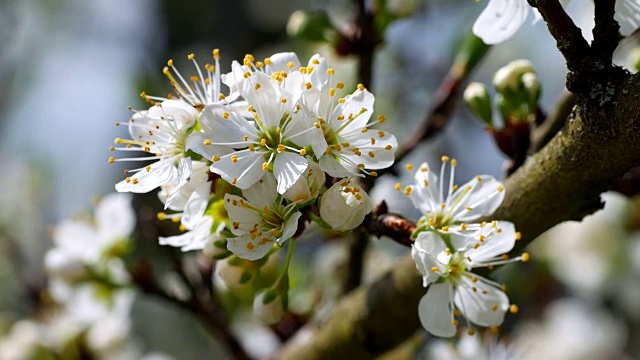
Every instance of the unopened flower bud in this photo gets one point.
(634, 59)
(216, 247)
(477, 98)
(345, 205)
(507, 79)
(503, 106)
(307, 187)
(531, 85)
(66, 266)
(235, 272)
(311, 26)
(269, 305)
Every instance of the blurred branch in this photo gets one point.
(472, 51)
(202, 307)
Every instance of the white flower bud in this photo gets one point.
(269, 306)
(307, 187)
(345, 205)
(507, 79)
(477, 98)
(234, 273)
(216, 247)
(64, 265)
(531, 85)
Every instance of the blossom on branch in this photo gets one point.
(260, 219)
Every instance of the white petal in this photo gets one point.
(143, 181)
(318, 77)
(424, 251)
(181, 177)
(352, 106)
(281, 62)
(486, 306)
(290, 228)
(245, 218)
(332, 167)
(246, 171)
(265, 99)
(288, 167)
(436, 310)
(182, 114)
(247, 248)
(195, 142)
(425, 194)
(373, 153)
(500, 20)
(229, 130)
(483, 195)
(262, 193)
(495, 243)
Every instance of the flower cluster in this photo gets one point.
(450, 243)
(89, 288)
(241, 170)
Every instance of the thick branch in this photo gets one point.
(569, 39)
(561, 182)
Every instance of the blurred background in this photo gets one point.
(70, 69)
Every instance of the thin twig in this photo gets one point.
(554, 121)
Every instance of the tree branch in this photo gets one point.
(568, 36)
(561, 182)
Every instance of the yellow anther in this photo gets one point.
(234, 158)
(207, 142)
(435, 269)
(513, 309)
(265, 166)
(283, 100)
(525, 257)
(505, 257)
(267, 61)
(331, 71)
(500, 188)
(463, 227)
(216, 54)
(340, 85)
(303, 152)
(263, 142)
(360, 87)
(371, 154)
(280, 148)
(471, 332)
(162, 216)
(373, 173)
(445, 229)
(215, 158)
(308, 86)
(257, 86)
(409, 167)
(111, 160)
(135, 181)
(503, 287)
(221, 96)
(259, 64)
(398, 186)
(494, 308)
(381, 119)
(454, 187)
(225, 115)
(360, 166)
(381, 134)
(407, 190)
(445, 159)
(245, 138)
(170, 63)
(332, 92)
(454, 322)
(364, 130)
(234, 181)
(518, 236)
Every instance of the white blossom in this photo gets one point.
(163, 131)
(341, 136)
(80, 244)
(448, 208)
(446, 270)
(260, 219)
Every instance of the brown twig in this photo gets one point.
(553, 123)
